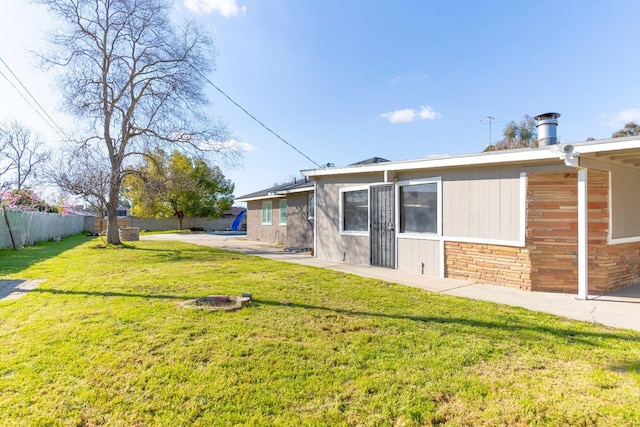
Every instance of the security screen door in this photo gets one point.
(383, 227)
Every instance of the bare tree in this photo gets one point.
(82, 172)
(135, 79)
(22, 153)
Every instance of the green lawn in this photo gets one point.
(104, 341)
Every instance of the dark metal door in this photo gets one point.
(383, 226)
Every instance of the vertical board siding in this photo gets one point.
(625, 202)
(482, 204)
(419, 256)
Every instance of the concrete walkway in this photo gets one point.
(620, 309)
(14, 289)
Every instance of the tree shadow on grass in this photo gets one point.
(14, 261)
(571, 335)
(111, 294)
(533, 330)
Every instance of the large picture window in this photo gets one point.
(283, 211)
(266, 212)
(355, 210)
(419, 208)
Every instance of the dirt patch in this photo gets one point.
(218, 302)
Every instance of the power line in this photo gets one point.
(240, 106)
(48, 119)
(254, 118)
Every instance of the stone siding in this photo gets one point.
(501, 265)
(548, 262)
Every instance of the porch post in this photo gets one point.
(583, 237)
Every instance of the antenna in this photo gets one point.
(490, 119)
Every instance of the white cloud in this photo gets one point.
(400, 116)
(225, 8)
(410, 115)
(621, 117)
(427, 113)
(230, 145)
(395, 80)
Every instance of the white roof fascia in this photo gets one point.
(607, 145)
(441, 162)
(299, 190)
(277, 194)
(476, 159)
(267, 196)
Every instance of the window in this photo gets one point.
(419, 208)
(283, 211)
(312, 206)
(266, 212)
(355, 210)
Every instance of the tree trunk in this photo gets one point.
(180, 216)
(113, 235)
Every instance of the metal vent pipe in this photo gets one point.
(547, 124)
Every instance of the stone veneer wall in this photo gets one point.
(610, 266)
(548, 262)
(552, 231)
(500, 265)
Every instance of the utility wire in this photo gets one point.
(48, 119)
(241, 107)
(254, 118)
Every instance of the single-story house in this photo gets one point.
(282, 214)
(558, 218)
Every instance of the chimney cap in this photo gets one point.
(547, 116)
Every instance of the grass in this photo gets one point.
(104, 341)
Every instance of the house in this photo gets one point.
(282, 214)
(559, 218)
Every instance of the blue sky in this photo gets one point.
(347, 80)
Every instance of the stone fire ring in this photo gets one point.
(218, 302)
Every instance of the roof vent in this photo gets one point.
(547, 124)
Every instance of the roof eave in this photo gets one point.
(441, 162)
(482, 159)
(276, 194)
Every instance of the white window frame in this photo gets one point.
(341, 203)
(267, 207)
(280, 213)
(426, 236)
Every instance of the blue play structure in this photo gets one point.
(238, 220)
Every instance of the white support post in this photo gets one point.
(583, 237)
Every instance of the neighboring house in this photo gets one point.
(283, 214)
(560, 218)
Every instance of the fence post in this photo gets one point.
(6, 218)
